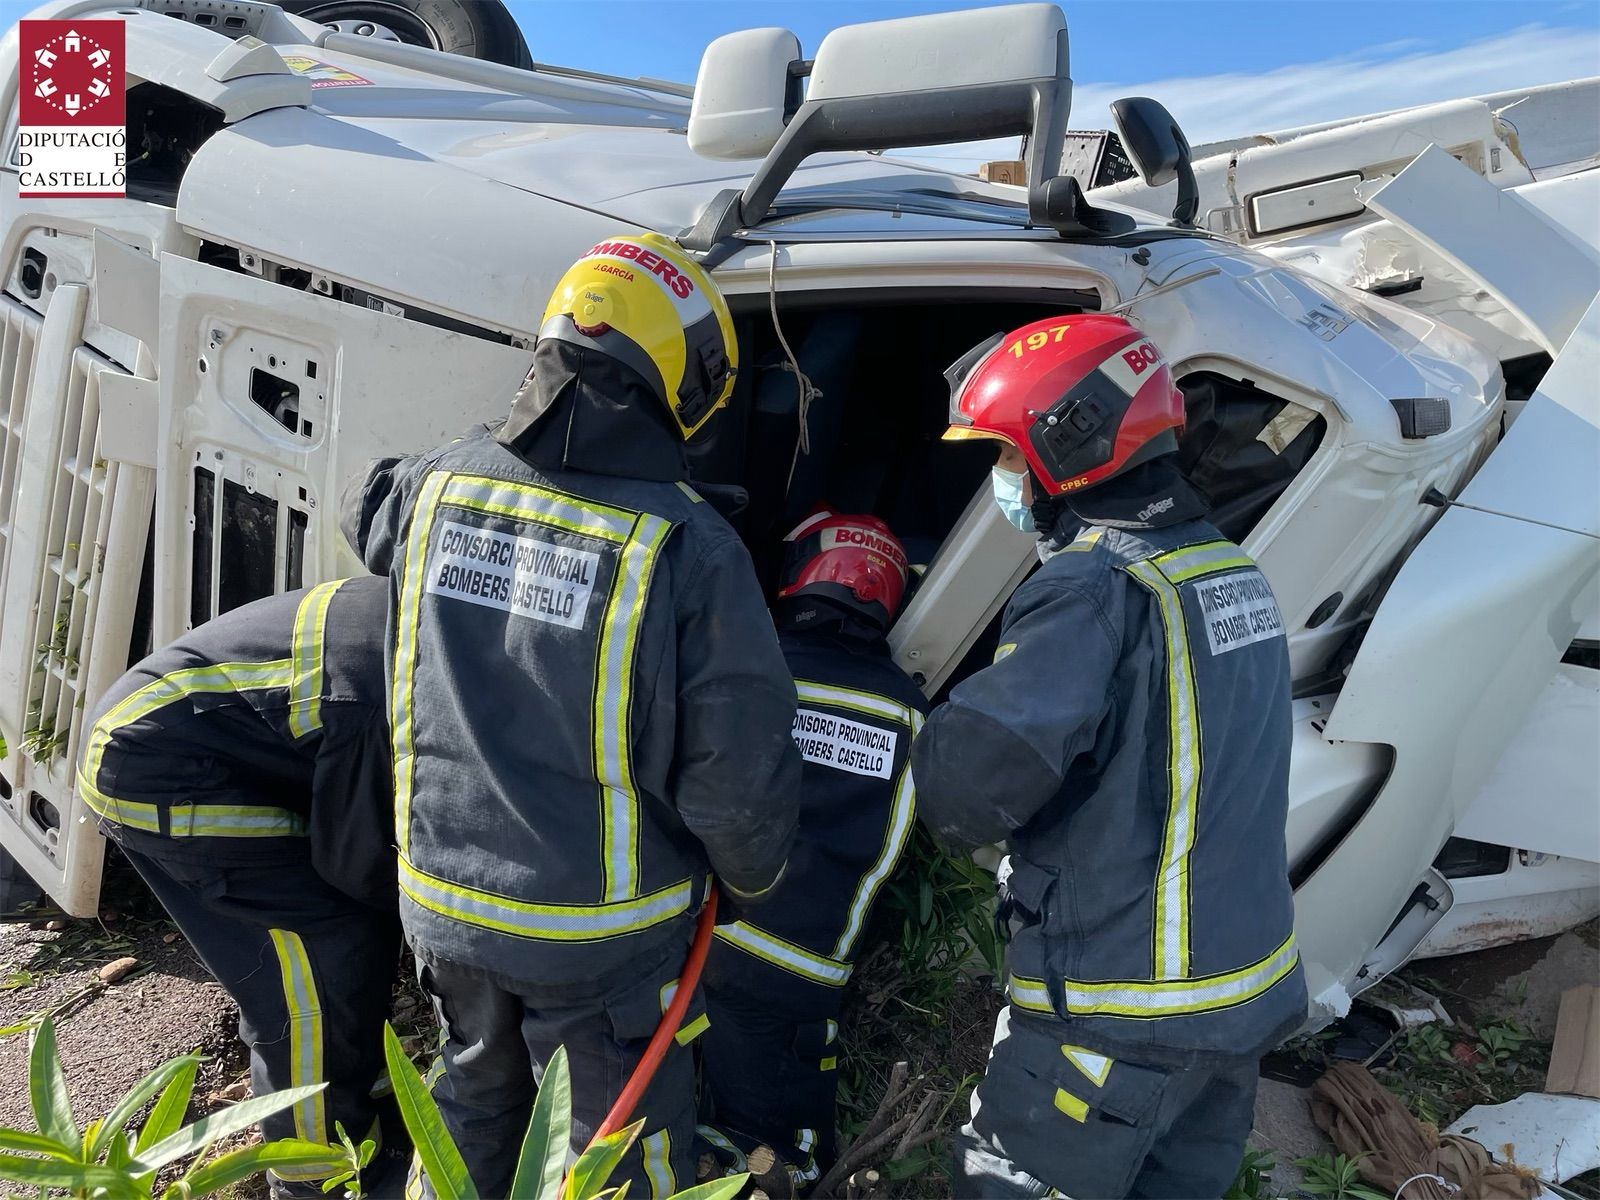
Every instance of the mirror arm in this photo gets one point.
(1183, 212)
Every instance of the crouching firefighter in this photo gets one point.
(590, 712)
(775, 980)
(245, 772)
(1130, 743)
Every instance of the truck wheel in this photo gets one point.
(475, 28)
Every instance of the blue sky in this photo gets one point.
(1224, 67)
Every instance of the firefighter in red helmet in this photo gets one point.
(775, 978)
(1130, 744)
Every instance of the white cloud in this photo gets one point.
(1393, 75)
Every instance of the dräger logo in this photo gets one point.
(72, 106)
(1156, 509)
(675, 279)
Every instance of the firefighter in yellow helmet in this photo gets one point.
(590, 711)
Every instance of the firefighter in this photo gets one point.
(775, 980)
(245, 772)
(1130, 743)
(590, 710)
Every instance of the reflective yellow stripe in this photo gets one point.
(305, 1034)
(305, 651)
(526, 502)
(573, 923)
(829, 1063)
(657, 1151)
(902, 813)
(1171, 932)
(1190, 562)
(780, 953)
(1178, 997)
(692, 1030)
(694, 496)
(403, 684)
(864, 702)
(187, 820)
(1004, 651)
(1071, 1105)
(613, 707)
(194, 820)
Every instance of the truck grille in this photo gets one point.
(77, 522)
(18, 339)
(73, 529)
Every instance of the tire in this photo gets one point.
(474, 28)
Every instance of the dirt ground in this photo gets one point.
(110, 1036)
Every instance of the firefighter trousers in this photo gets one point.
(770, 1063)
(498, 1035)
(312, 972)
(1054, 1118)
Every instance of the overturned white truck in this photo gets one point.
(304, 276)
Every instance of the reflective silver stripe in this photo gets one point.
(1167, 998)
(217, 820)
(306, 650)
(657, 1151)
(866, 702)
(720, 1141)
(784, 954)
(408, 621)
(550, 921)
(1171, 933)
(613, 707)
(1029, 993)
(524, 501)
(1190, 561)
(901, 819)
(1177, 997)
(305, 1032)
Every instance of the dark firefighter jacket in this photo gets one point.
(256, 731)
(1131, 742)
(858, 713)
(588, 698)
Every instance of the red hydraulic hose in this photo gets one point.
(671, 1022)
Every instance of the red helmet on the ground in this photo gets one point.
(1083, 397)
(852, 560)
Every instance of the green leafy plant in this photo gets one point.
(1336, 1177)
(936, 912)
(1499, 1044)
(542, 1161)
(110, 1159)
(356, 1159)
(1254, 1179)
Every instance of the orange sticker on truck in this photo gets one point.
(325, 75)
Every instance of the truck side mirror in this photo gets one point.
(1158, 150)
(745, 93)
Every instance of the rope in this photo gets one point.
(808, 390)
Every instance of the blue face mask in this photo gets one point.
(1008, 495)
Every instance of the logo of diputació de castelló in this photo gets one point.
(71, 137)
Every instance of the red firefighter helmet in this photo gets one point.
(1083, 397)
(854, 560)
